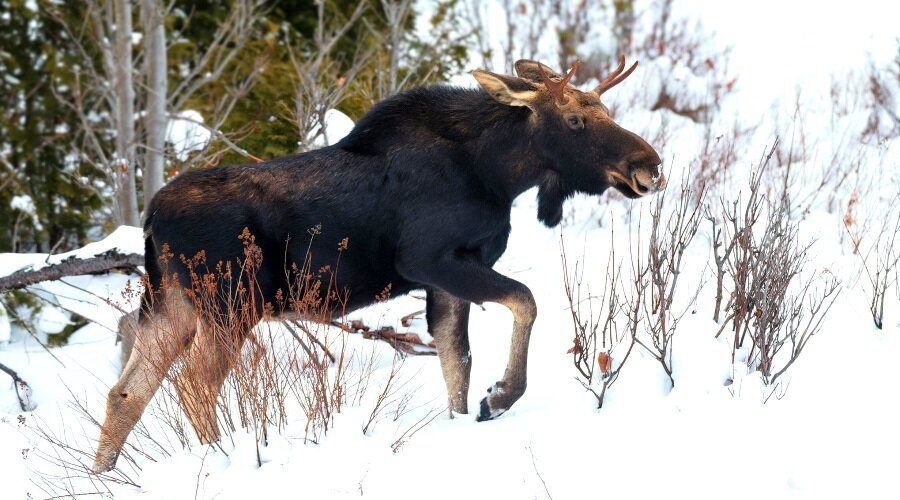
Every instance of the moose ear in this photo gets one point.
(530, 70)
(509, 90)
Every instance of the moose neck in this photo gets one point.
(497, 138)
(504, 154)
(493, 139)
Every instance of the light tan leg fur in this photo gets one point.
(160, 339)
(206, 365)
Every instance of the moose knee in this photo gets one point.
(522, 305)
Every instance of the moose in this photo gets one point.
(421, 188)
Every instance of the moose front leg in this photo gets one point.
(474, 281)
(448, 323)
(510, 388)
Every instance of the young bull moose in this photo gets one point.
(422, 188)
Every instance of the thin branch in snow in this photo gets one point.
(23, 390)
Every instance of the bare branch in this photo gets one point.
(23, 390)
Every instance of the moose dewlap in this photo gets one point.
(417, 196)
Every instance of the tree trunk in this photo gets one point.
(155, 61)
(126, 190)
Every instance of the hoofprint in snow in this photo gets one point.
(828, 430)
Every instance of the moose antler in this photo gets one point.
(558, 89)
(615, 77)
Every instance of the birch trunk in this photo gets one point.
(155, 61)
(126, 190)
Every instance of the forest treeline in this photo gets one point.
(88, 89)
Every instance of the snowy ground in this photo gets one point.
(829, 431)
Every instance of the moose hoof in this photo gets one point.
(486, 413)
(104, 463)
(497, 401)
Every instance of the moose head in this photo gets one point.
(587, 151)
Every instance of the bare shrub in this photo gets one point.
(232, 377)
(879, 262)
(67, 458)
(645, 302)
(596, 334)
(770, 305)
(268, 373)
(691, 50)
(319, 82)
(806, 172)
(882, 103)
(23, 390)
(670, 235)
(394, 398)
(713, 166)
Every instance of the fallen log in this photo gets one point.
(73, 266)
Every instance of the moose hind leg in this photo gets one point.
(206, 364)
(448, 322)
(160, 337)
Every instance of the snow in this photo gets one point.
(186, 133)
(337, 126)
(4, 325)
(24, 203)
(51, 320)
(829, 431)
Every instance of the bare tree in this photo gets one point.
(396, 13)
(572, 28)
(474, 13)
(123, 87)
(156, 85)
(107, 98)
(509, 45)
(216, 65)
(320, 85)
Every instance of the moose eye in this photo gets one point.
(575, 122)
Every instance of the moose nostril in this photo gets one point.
(660, 181)
(639, 186)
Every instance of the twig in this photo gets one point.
(416, 427)
(536, 471)
(222, 137)
(24, 402)
(406, 319)
(30, 331)
(202, 462)
(315, 340)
